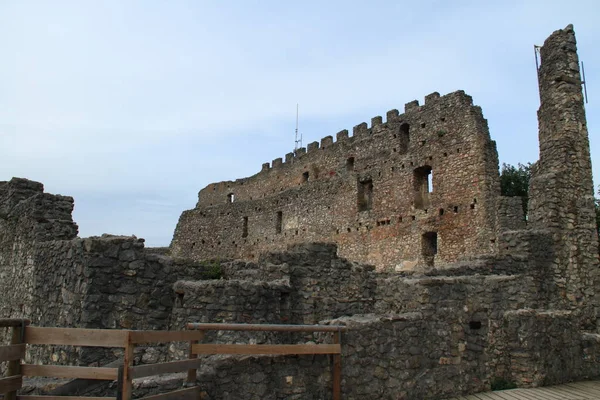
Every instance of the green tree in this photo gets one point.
(514, 181)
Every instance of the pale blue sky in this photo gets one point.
(133, 106)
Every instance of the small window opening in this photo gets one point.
(422, 124)
(455, 209)
(350, 164)
(279, 221)
(305, 176)
(441, 211)
(230, 198)
(403, 138)
(422, 186)
(475, 324)
(245, 228)
(429, 247)
(365, 195)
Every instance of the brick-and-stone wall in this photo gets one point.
(367, 193)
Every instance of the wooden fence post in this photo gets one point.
(191, 377)
(337, 368)
(14, 367)
(126, 375)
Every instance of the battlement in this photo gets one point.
(428, 169)
(415, 116)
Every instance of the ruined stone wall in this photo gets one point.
(367, 193)
(53, 278)
(410, 336)
(28, 218)
(561, 189)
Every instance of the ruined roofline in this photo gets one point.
(359, 132)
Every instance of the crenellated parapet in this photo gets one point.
(331, 153)
(417, 188)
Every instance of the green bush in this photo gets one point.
(212, 269)
(499, 383)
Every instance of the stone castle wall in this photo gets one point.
(561, 187)
(53, 278)
(413, 337)
(478, 293)
(367, 193)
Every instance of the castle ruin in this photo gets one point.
(420, 189)
(398, 232)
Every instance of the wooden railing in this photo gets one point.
(334, 349)
(13, 353)
(23, 335)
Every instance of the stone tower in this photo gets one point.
(561, 187)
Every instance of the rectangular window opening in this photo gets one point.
(429, 247)
(365, 195)
(279, 221)
(422, 186)
(245, 228)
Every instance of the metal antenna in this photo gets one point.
(583, 82)
(298, 141)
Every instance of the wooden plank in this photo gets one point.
(590, 390)
(12, 322)
(61, 371)
(337, 368)
(14, 366)
(522, 394)
(270, 349)
(76, 336)
(63, 398)
(192, 372)
(171, 367)
(127, 388)
(266, 327)
(12, 352)
(192, 393)
(507, 395)
(11, 384)
(144, 337)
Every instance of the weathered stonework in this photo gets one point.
(367, 193)
(436, 306)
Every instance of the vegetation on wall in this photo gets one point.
(514, 181)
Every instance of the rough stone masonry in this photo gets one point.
(398, 232)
